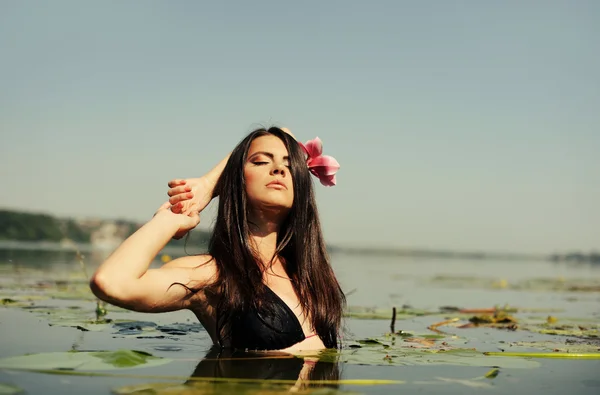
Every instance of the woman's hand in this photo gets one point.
(191, 195)
(184, 222)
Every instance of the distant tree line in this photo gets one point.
(39, 227)
(33, 227)
(577, 257)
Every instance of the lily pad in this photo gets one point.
(374, 313)
(411, 351)
(564, 330)
(83, 360)
(572, 347)
(21, 300)
(553, 355)
(370, 342)
(10, 389)
(414, 357)
(134, 327)
(180, 328)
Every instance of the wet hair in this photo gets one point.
(239, 280)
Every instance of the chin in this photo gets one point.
(280, 205)
(275, 204)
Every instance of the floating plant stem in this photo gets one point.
(434, 326)
(100, 305)
(82, 264)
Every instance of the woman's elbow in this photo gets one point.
(105, 288)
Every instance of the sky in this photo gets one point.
(461, 125)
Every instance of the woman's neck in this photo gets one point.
(263, 233)
(265, 224)
(265, 245)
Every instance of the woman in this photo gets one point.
(266, 282)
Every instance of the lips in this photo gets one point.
(276, 184)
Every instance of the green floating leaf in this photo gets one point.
(570, 347)
(428, 336)
(14, 303)
(10, 389)
(564, 330)
(405, 356)
(562, 355)
(99, 360)
(370, 342)
(492, 374)
(373, 313)
(84, 326)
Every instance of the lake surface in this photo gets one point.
(48, 308)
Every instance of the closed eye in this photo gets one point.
(260, 163)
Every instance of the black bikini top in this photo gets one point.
(272, 327)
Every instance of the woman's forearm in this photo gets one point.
(213, 175)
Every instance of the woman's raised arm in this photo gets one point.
(125, 280)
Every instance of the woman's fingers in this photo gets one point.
(177, 208)
(180, 189)
(176, 182)
(191, 209)
(187, 224)
(181, 197)
(194, 220)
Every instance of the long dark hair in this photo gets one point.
(239, 281)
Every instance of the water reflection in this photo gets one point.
(289, 372)
(50, 259)
(229, 372)
(56, 257)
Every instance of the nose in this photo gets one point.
(279, 169)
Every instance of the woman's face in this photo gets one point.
(267, 174)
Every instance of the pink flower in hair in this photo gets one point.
(322, 166)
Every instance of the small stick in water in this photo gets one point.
(434, 326)
(393, 320)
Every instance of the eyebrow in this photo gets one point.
(270, 155)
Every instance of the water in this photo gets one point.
(50, 321)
